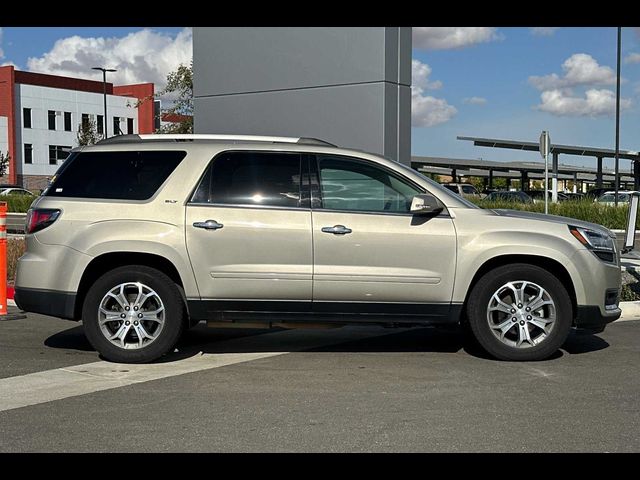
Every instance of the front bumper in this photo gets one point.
(589, 317)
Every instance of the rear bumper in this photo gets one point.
(589, 317)
(46, 302)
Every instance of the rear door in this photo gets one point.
(248, 233)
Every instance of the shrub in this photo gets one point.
(587, 210)
(15, 249)
(17, 203)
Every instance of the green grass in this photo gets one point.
(17, 203)
(589, 211)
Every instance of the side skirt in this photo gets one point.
(279, 312)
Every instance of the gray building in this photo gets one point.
(348, 86)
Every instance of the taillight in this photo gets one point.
(40, 218)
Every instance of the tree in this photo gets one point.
(180, 89)
(4, 163)
(87, 133)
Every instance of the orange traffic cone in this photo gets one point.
(4, 314)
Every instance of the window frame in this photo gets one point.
(316, 190)
(303, 187)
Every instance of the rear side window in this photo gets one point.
(251, 178)
(469, 190)
(134, 175)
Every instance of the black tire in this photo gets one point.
(174, 317)
(478, 304)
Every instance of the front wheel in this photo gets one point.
(133, 314)
(520, 312)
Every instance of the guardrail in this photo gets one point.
(15, 222)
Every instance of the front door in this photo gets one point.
(370, 254)
(249, 234)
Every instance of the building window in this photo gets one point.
(100, 125)
(85, 121)
(52, 119)
(26, 117)
(116, 126)
(67, 121)
(129, 126)
(28, 153)
(58, 152)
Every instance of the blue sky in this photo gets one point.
(476, 82)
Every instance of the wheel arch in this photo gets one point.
(552, 266)
(109, 261)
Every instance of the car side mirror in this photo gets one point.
(425, 204)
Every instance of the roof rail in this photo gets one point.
(232, 138)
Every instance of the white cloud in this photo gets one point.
(445, 38)
(475, 101)
(142, 56)
(420, 76)
(427, 111)
(6, 64)
(579, 69)
(632, 58)
(595, 103)
(543, 31)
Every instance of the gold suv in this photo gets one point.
(143, 236)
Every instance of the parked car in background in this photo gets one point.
(624, 197)
(507, 196)
(16, 191)
(538, 196)
(464, 189)
(575, 196)
(597, 192)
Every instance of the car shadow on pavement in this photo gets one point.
(242, 340)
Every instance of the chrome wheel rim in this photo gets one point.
(521, 314)
(131, 315)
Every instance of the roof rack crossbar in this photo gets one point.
(233, 138)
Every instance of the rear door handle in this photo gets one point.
(337, 230)
(208, 225)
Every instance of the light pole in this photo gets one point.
(617, 166)
(104, 91)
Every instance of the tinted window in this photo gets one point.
(468, 189)
(357, 186)
(129, 126)
(51, 119)
(100, 124)
(26, 117)
(114, 175)
(254, 178)
(28, 153)
(451, 187)
(67, 121)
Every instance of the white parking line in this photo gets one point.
(61, 383)
(41, 387)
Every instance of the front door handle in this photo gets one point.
(208, 225)
(337, 230)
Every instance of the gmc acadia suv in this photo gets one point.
(143, 236)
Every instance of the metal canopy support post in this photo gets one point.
(636, 175)
(599, 173)
(454, 175)
(554, 179)
(490, 178)
(524, 180)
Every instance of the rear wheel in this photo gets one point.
(519, 312)
(133, 314)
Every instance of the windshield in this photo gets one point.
(441, 189)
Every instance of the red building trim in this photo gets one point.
(54, 81)
(144, 93)
(7, 109)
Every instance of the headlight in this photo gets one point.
(601, 244)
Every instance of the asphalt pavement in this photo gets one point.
(351, 389)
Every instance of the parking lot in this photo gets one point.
(349, 389)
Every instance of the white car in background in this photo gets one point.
(624, 197)
(16, 191)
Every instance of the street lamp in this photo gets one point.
(104, 91)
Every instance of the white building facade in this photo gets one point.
(45, 115)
